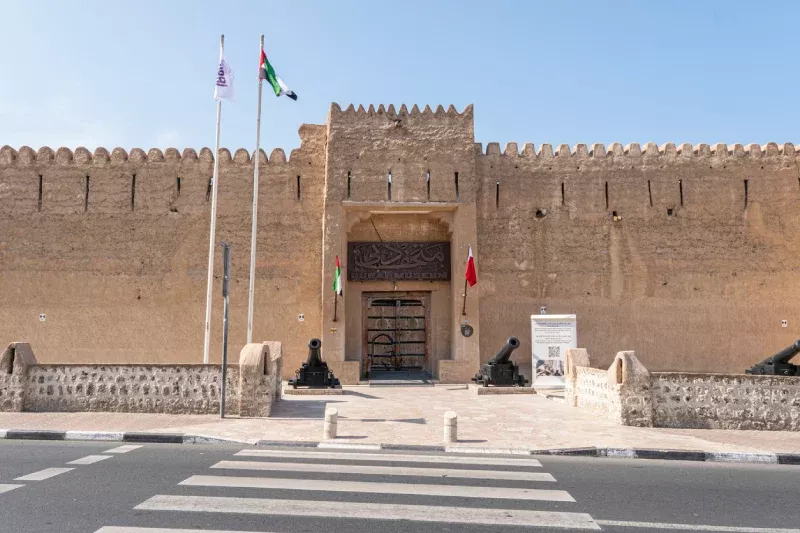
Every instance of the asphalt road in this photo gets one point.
(173, 488)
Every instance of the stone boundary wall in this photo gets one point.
(252, 386)
(725, 401)
(591, 386)
(187, 389)
(628, 394)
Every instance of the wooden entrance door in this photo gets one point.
(395, 332)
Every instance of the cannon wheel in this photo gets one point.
(485, 381)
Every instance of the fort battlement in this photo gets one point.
(63, 156)
(390, 111)
(635, 150)
(28, 157)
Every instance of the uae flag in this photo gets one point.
(337, 279)
(266, 72)
(471, 276)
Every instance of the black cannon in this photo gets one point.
(500, 371)
(778, 364)
(314, 372)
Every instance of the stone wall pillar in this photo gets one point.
(630, 398)
(14, 364)
(259, 378)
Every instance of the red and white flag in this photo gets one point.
(471, 275)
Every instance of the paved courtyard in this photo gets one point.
(414, 415)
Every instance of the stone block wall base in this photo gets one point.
(451, 371)
(481, 390)
(347, 372)
(290, 391)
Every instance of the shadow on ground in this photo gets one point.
(286, 409)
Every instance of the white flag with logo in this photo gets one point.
(224, 87)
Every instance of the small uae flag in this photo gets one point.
(337, 279)
(266, 72)
(471, 276)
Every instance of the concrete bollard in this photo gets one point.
(331, 416)
(450, 427)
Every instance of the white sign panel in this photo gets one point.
(551, 335)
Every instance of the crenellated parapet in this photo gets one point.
(635, 150)
(426, 112)
(26, 156)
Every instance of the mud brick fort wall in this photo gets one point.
(686, 254)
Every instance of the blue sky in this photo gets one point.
(141, 74)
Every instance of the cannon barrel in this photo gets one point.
(784, 356)
(504, 354)
(314, 358)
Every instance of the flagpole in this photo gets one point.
(464, 308)
(335, 302)
(213, 229)
(466, 285)
(255, 212)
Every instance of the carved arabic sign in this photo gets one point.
(373, 261)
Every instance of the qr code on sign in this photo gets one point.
(553, 352)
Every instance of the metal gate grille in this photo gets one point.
(396, 334)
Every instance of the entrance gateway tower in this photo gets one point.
(400, 206)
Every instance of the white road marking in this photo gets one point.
(389, 457)
(384, 470)
(89, 460)
(3, 433)
(123, 449)
(323, 485)
(5, 487)
(44, 474)
(113, 529)
(374, 511)
(694, 527)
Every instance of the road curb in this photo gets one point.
(413, 447)
(34, 434)
(614, 453)
(156, 438)
(111, 436)
(680, 455)
(576, 452)
(287, 443)
(107, 436)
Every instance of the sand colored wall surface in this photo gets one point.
(686, 254)
(701, 289)
(119, 269)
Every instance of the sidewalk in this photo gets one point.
(414, 416)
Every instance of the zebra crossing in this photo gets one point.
(432, 490)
